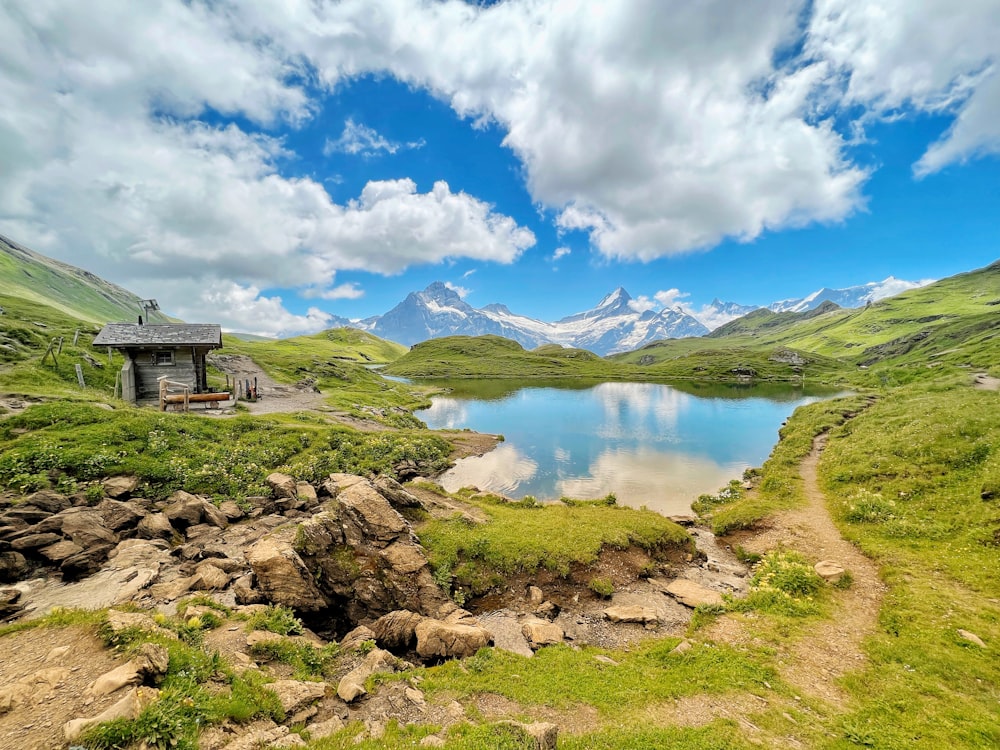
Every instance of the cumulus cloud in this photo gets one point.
(560, 252)
(461, 291)
(642, 303)
(892, 286)
(670, 297)
(359, 139)
(932, 56)
(657, 127)
(244, 308)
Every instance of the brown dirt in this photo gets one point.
(815, 662)
(38, 723)
(985, 382)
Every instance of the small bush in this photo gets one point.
(868, 507)
(783, 583)
(276, 619)
(603, 587)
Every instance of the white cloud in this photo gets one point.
(892, 286)
(560, 252)
(670, 297)
(932, 56)
(359, 139)
(642, 303)
(342, 291)
(461, 291)
(657, 127)
(243, 308)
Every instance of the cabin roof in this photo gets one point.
(188, 334)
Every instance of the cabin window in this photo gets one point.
(163, 358)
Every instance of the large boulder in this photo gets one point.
(118, 515)
(13, 566)
(184, 509)
(48, 500)
(437, 639)
(155, 526)
(369, 518)
(352, 685)
(692, 594)
(282, 485)
(396, 630)
(282, 575)
(120, 487)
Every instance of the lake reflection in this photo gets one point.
(650, 444)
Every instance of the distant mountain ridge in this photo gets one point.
(614, 325)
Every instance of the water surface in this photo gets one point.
(650, 444)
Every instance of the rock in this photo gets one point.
(31, 688)
(352, 685)
(263, 734)
(282, 485)
(214, 516)
(606, 660)
(120, 486)
(829, 570)
(49, 501)
(320, 729)
(245, 592)
(337, 483)
(353, 640)
(184, 509)
(35, 541)
(282, 575)
(116, 679)
(396, 630)
(85, 526)
(169, 591)
(368, 517)
(319, 534)
(543, 735)
(682, 648)
(294, 695)
(9, 606)
(542, 633)
(118, 515)
(433, 740)
(307, 494)
(128, 707)
(13, 566)
(692, 594)
(56, 553)
(393, 491)
(405, 557)
(436, 639)
(155, 526)
(971, 638)
(535, 595)
(86, 562)
(632, 613)
(209, 577)
(231, 510)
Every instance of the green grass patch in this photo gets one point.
(224, 458)
(275, 618)
(308, 662)
(525, 537)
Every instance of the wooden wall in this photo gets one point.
(146, 373)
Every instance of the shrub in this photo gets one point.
(603, 587)
(276, 619)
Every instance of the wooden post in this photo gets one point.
(60, 345)
(79, 375)
(76, 337)
(118, 380)
(163, 395)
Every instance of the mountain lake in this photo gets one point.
(652, 445)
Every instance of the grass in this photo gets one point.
(524, 537)
(73, 444)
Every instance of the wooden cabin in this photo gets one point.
(175, 351)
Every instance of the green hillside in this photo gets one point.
(952, 324)
(497, 357)
(73, 291)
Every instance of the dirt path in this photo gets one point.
(814, 662)
(274, 396)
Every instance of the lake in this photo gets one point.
(650, 444)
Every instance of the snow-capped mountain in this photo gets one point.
(438, 311)
(616, 324)
(613, 326)
(852, 296)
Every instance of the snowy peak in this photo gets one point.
(852, 296)
(617, 300)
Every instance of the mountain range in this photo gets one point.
(616, 324)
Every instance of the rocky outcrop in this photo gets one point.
(447, 640)
(282, 575)
(352, 685)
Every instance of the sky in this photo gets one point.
(269, 165)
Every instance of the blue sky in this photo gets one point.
(270, 165)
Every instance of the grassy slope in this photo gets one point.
(336, 361)
(942, 328)
(73, 291)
